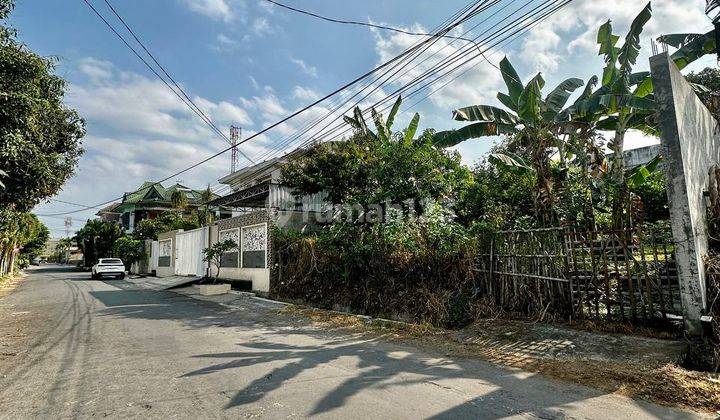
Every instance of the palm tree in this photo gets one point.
(204, 215)
(179, 200)
(532, 123)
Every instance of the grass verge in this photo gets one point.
(8, 283)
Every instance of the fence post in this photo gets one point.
(565, 235)
(691, 145)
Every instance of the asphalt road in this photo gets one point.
(72, 347)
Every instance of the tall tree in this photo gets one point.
(532, 124)
(39, 136)
(179, 200)
(96, 239)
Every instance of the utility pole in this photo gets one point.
(235, 133)
(712, 10)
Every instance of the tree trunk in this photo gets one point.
(618, 177)
(10, 257)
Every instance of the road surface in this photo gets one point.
(74, 347)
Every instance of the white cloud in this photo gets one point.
(225, 43)
(305, 94)
(96, 70)
(268, 106)
(476, 82)
(215, 9)
(573, 30)
(540, 48)
(138, 128)
(306, 68)
(261, 26)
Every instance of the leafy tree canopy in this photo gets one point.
(150, 228)
(96, 239)
(369, 170)
(129, 250)
(39, 136)
(708, 81)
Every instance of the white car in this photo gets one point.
(108, 267)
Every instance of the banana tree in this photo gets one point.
(623, 102)
(383, 127)
(690, 47)
(531, 122)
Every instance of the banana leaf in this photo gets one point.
(393, 113)
(510, 162)
(639, 175)
(558, 97)
(631, 48)
(484, 113)
(512, 81)
(472, 131)
(529, 104)
(412, 128)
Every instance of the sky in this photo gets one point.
(251, 63)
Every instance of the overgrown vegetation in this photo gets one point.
(129, 250)
(550, 169)
(419, 270)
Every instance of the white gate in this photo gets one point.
(154, 255)
(188, 252)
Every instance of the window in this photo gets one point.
(165, 255)
(230, 258)
(254, 246)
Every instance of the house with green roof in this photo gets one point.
(152, 199)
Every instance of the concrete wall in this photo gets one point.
(168, 271)
(260, 277)
(691, 145)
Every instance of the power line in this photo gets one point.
(354, 22)
(453, 58)
(185, 99)
(307, 129)
(477, 7)
(543, 13)
(281, 121)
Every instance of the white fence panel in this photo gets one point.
(188, 251)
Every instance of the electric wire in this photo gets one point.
(186, 99)
(271, 126)
(512, 36)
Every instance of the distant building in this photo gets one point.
(151, 200)
(259, 187)
(73, 255)
(109, 213)
(639, 156)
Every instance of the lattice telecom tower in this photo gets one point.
(68, 225)
(235, 133)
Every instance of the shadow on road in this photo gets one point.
(378, 365)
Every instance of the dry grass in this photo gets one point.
(9, 283)
(662, 333)
(668, 384)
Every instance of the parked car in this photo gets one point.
(108, 267)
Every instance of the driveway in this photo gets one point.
(74, 347)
